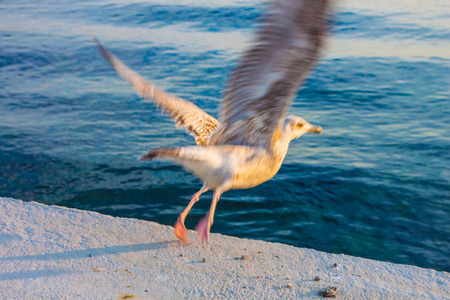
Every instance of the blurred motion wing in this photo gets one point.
(261, 89)
(184, 113)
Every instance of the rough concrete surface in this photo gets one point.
(52, 252)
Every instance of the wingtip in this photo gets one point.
(100, 47)
(94, 38)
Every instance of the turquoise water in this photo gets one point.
(376, 184)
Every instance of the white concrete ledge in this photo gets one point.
(51, 252)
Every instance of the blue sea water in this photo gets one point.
(376, 184)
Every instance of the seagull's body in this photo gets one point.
(248, 145)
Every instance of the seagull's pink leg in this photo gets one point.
(180, 229)
(204, 225)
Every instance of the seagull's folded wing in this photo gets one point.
(186, 114)
(261, 89)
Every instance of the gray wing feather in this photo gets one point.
(196, 121)
(261, 89)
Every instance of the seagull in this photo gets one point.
(248, 145)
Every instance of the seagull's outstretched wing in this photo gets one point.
(261, 89)
(186, 114)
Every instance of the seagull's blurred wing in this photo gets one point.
(261, 89)
(186, 114)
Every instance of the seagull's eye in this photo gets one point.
(299, 125)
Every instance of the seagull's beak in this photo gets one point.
(316, 129)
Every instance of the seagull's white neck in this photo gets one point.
(282, 145)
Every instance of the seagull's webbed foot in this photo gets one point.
(203, 227)
(181, 231)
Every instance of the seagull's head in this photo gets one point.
(299, 126)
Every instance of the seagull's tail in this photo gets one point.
(211, 155)
(204, 161)
(161, 153)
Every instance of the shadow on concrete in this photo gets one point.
(76, 254)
